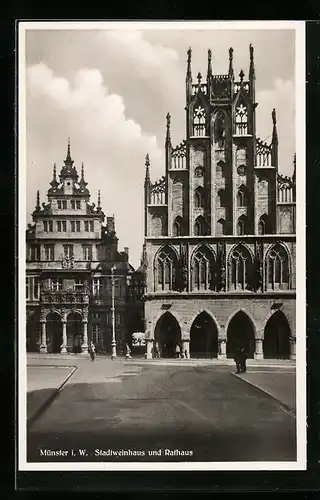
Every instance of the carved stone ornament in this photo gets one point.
(198, 171)
(242, 170)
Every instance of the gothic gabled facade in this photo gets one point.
(220, 230)
(70, 253)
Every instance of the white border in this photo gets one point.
(300, 464)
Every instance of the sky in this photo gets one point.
(110, 91)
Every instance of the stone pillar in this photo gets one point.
(258, 353)
(43, 345)
(292, 348)
(222, 348)
(149, 346)
(84, 347)
(185, 349)
(63, 349)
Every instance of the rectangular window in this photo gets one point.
(36, 289)
(68, 251)
(73, 204)
(27, 289)
(64, 226)
(86, 225)
(59, 204)
(91, 226)
(56, 284)
(50, 226)
(64, 204)
(59, 226)
(97, 335)
(96, 287)
(72, 226)
(45, 226)
(49, 252)
(78, 206)
(78, 284)
(78, 226)
(87, 252)
(35, 253)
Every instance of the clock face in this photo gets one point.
(242, 170)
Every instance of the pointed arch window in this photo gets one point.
(199, 121)
(177, 226)
(278, 268)
(263, 224)
(242, 225)
(220, 168)
(221, 198)
(202, 267)
(241, 119)
(199, 197)
(242, 196)
(200, 226)
(221, 227)
(240, 268)
(166, 264)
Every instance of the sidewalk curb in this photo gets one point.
(285, 406)
(49, 400)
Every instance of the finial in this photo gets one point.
(241, 74)
(209, 72)
(147, 163)
(54, 172)
(199, 77)
(231, 73)
(68, 160)
(251, 51)
(168, 118)
(38, 200)
(189, 64)
(99, 199)
(82, 172)
(274, 118)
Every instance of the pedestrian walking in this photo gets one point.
(243, 361)
(92, 351)
(177, 351)
(128, 351)
(157, 351)
(237, 359)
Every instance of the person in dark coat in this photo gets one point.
(237, 359)
(243, 361)
(92, 351)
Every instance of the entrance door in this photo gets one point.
(168, 335)
(74, 332)
(203, 337)
(277, 333)
(54, 332)
(240, 335)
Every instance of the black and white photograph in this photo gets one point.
(161, 180)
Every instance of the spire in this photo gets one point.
(294, 168)
(99, 199)
(82, 172)
(168, 136)
(82, 182)
(251, 69)
(38, 200)
(209, 71)
(68, 160)
(189, 75)
(274, 131)
(54, 183)
(147, 176)
(231, 72)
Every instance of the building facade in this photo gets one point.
(220, 230)
(73, 270)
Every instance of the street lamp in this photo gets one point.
(113, 342)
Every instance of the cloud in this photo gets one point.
(112, 145)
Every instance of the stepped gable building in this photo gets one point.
(220, 245)
(70, 256)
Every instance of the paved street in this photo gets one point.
(106, 407)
